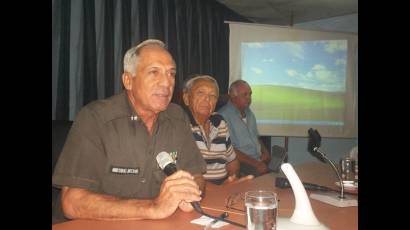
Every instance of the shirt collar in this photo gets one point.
(133, 114)
(193, 121)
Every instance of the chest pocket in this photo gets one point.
(157, 178)
(121, 185)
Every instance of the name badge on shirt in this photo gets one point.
(174, 155)
(123, 170)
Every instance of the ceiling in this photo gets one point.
(290, 12)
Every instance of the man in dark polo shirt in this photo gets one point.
(107, 168)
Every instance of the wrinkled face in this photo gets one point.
(202, 98)
(153, 85)
(243, 98)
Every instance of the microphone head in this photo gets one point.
(164, 159)
(314, 143)
(314, 140)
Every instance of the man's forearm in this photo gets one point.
(233, 167)
(263, 147)
(265, 154)
(243, 158)
(83, 204)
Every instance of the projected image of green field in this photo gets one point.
(270, 102)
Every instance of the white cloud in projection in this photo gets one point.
(335, 46)
(317, 65)
(340, 61)
(257, 70)
(295, 49)
(271, 60)
(292, 72)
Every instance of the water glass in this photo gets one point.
(347, 169)
(261, 210)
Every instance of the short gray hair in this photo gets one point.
(190, 82)
(132, 55)
(234, 86)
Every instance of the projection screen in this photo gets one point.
(300, 79)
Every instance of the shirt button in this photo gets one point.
(143, 180)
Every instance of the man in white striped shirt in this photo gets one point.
(210, 130)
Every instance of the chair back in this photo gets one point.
(278, 156)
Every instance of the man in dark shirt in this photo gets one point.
(107, 169)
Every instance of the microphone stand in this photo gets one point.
(316, 149)
(328, 197)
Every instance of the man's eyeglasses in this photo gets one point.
(236, 202)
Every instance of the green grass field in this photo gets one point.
(289, 103)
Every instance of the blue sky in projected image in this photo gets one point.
(318, 65)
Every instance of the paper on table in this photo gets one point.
(204, 220)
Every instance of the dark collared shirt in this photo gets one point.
(109, 150)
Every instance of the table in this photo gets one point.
(215, 200)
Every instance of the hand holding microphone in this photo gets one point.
(177, 189)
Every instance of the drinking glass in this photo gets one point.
(347, 169)
(261, 210)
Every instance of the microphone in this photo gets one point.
(314, 143)
(340, 201)
(313, 148)
(166, 163)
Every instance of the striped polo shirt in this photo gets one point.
(216, 149)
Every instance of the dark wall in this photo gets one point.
(90, 39)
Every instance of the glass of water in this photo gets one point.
(261, 210)
(347, 169)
